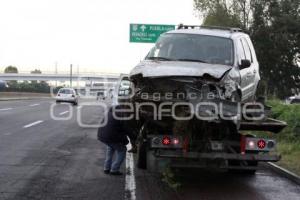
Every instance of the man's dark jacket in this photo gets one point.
(113, 131)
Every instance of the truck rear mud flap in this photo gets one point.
(176, 155)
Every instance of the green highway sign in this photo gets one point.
(148, 33)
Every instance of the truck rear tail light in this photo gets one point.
(271, 144)
(261, 144)
(251, 144)
(176, 141)
(166, 140)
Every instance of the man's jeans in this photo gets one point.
(111, 148)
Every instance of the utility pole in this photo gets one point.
(77, 76)
(71, 68)
(56, 73)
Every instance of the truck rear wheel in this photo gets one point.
(147, 160)
(243, 171)
(156, 166)
(251, 164)
(142, 155)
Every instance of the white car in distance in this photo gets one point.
(67, 95)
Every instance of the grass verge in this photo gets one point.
(289, 139)
(290, 156)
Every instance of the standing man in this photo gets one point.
(114, 136)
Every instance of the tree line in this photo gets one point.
(26, 86)
(274, 27)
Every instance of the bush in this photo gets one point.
(289, 113)
(41, 87)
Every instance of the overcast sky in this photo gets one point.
(91, 34)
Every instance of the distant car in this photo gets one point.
(3, 84)
(67, 95)
(100, 95)
(293, 100)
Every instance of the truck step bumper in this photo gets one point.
(217, 156)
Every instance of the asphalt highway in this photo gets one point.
(46, 154)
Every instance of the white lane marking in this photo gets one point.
(36, 104)
(7, 134)
(33, 124)
(130, 186)
(62, 113)
(5, 109)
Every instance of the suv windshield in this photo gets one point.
(65, 91)
(193, 48)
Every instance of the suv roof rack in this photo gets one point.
(231, 29)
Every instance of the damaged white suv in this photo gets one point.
(198, 64)
(222, 58)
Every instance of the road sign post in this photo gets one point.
(147, 33)
(71, 74)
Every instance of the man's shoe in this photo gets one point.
(116, 173)
(106, 171)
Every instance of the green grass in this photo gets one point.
(289, 139)
(290, 156)
(289, 114)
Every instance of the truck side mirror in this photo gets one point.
(245, 64)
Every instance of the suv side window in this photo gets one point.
(247, 50)
(240, 51)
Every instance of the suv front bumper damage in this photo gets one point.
(206, 97)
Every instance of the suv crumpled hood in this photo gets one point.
(178, 68)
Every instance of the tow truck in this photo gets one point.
(225, 147)
(206, 75)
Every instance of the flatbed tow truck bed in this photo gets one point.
(247, 152)
(269, 124)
